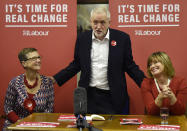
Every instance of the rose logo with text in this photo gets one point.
(113, 43)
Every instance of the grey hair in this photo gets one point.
(100, 9)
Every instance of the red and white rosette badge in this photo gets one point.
(29, 104)
(113, 43)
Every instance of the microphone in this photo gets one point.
(80, 101)
(80, 109)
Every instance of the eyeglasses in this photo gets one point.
(34, 58)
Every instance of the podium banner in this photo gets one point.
(153, 26)
(49, 26)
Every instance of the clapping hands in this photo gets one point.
(167, 93)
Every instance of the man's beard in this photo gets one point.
(99, 35)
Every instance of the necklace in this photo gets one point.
(30, 86)
(157, 86)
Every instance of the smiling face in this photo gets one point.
(156, 68)
(33, 61)
(158, 64)
(100, 24)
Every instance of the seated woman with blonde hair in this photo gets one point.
(163, 88)
(29, 92)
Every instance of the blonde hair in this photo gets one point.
(163, 58)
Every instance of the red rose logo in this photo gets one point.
(113, 43)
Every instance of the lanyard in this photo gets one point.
(156, 83)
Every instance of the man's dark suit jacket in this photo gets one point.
(120, 60)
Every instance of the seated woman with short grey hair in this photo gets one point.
(29, 92)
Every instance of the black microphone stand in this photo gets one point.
(82, 123)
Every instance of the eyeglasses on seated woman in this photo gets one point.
(29, 92)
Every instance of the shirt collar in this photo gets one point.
(106, 36)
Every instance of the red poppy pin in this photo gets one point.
(113, 43)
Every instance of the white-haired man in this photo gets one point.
(103, 55)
